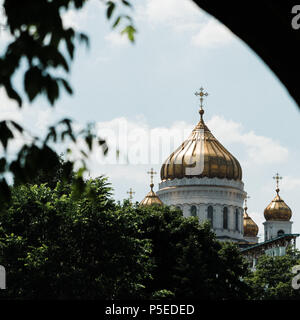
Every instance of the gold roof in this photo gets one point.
(200, 151)
(278, 210)
(250, 227)
(151, 198)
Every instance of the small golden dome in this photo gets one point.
(250, 227)
(278, 210)
(151, 198)
(201, 155)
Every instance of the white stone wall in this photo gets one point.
(272, 228)
(205, 192)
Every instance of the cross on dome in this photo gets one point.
(131, 193)
(201, 94)
(152, 173)
(246, 198)
(277, 178)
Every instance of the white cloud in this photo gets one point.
(34, 119)
(290, 183)
(139, 144)
(212, 34)
(170, 12)
(78, 18)
(117, 39)
(185, 16)
(142, 147)
(259, 149)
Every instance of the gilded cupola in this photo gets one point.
(250, 227)
(151, 198)
(278, 210)
(201, 155)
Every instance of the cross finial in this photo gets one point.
(131, 193)
(201, 94)
(277, 178)
(246, 198)
(152, 173)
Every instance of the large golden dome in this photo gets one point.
(201, 155)
(278, 210)
(250, 227)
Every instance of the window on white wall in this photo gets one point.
(237, 226)
(225, 218)
(193, 211)
(210, 215)
(280, 233)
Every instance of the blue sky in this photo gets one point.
(149, 88)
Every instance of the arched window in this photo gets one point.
(210, 215)
(280, 233)
(237, 220)
(225, 218)
(193, 211)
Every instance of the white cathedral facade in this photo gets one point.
(204, 180)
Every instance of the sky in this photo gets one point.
(141, 98)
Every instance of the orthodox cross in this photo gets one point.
(201, 94)
(152, 173)
(246, 198)
(277, 178)
(131, 193)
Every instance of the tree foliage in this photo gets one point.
(272, 279)
(42, 41)
(189, 261)
(41, 52)
(56, 245)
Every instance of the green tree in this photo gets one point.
(56, 246)
(272, 279)
(61, 171)
(45, 48)
(188, 260)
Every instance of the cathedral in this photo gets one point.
(203, 179)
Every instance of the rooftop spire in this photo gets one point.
(201, 94)
(152, 173)
(246, 198)
(250, 227)
(277, 178)
(151, 198)
(131, 193)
